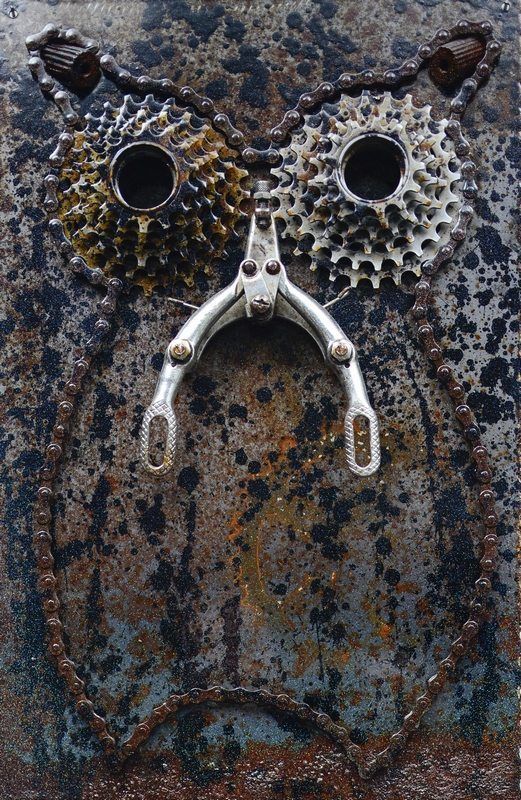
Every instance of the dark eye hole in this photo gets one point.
(372, 167)
(144, 176)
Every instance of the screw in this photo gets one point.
(180, 349)
(341, 350)
(249, 267)
(272, 266)
(260, 305)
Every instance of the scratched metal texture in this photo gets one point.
(261, 560)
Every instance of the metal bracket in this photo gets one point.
(260, 291)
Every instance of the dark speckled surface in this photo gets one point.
(261, 561)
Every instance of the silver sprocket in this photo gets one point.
(359, 238)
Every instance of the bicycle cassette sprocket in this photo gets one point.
(354, 229)
(171, 235)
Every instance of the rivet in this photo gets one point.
(273, 266)
(249, 267)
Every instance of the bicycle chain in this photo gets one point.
(367, 762)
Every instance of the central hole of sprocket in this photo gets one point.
(372, 167)
(144, 176)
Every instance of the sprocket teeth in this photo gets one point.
(369, 239)
(151, 247)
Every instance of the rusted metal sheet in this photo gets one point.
(261, 562)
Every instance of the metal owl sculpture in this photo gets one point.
(359, 180)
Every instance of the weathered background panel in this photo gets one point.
(261, 561)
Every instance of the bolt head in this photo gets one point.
(273, 266)
(260, 305)
(249, 267)
(180, 349)
(341, 350)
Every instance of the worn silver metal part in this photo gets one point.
(261, 290)
(368, 238)
(163, 410)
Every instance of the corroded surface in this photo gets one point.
(262, 559)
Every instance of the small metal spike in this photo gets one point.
(74, 66)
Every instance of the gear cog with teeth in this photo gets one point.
(355, 228)
(150, 191)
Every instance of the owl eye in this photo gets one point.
(150, 192)
(144, 176)
(368, 188)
